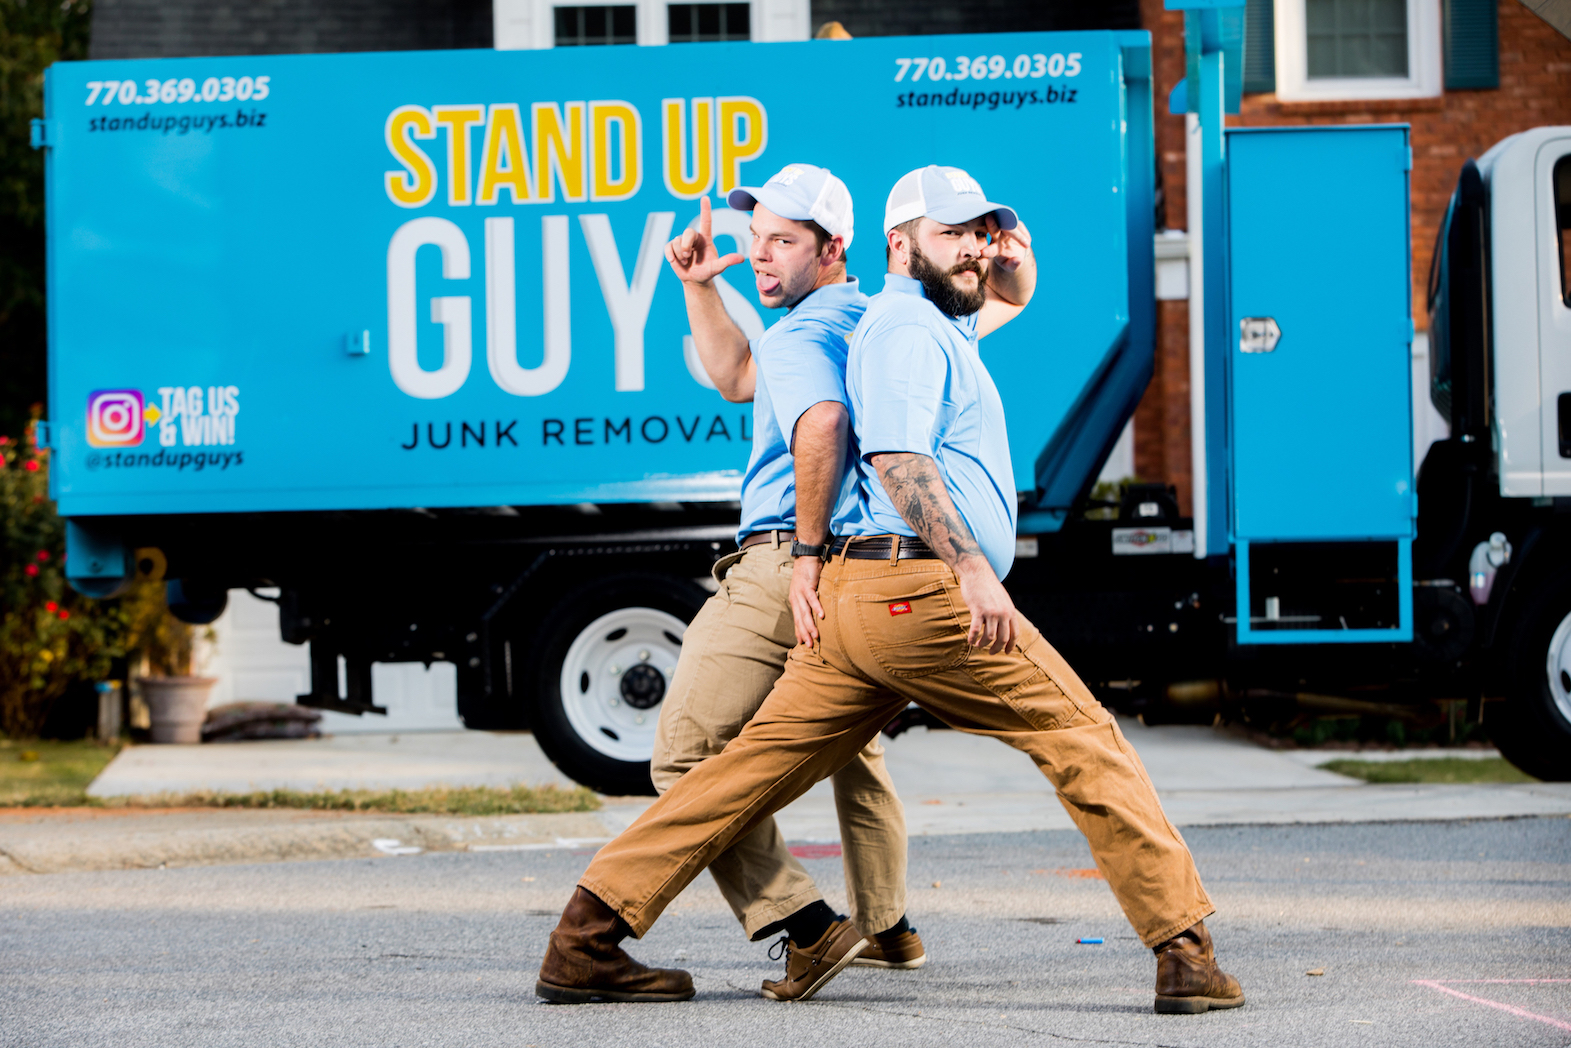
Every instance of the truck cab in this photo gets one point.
(1495, 497)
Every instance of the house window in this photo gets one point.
(708, 23)
(1472, 58)
(1327, 50)
(578, 26)
(1259, 48)
(1356, 38)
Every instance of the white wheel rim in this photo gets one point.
(1559, 667)
(618, 661)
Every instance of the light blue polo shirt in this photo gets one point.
(916, 383)
(801, 361)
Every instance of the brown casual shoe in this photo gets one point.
(807, 971)
(1187, 978)
(893, 950)
(584, 962)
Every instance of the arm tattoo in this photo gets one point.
(918, 492)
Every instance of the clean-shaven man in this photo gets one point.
(736, 648)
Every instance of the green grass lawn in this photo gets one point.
(45, 773)
(439, 800)
(1431, 769)
(50, 773)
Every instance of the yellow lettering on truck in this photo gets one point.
(416, 184)
(559, 151)
(457, 120)
(688, 149)
(616, 150)
(504, 164)
(744, 132)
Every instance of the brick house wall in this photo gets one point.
(165, 28)
(1162, 419)
(905, 18)
(1535, 90)
(172, 28)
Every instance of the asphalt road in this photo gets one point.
(1428, 934)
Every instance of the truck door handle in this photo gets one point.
(1258, 334)
(1563, 413)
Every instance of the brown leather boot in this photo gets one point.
(584, 962)
(1187, 978)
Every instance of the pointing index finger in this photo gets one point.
(704, 224)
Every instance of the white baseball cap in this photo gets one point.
(802, 192)
(944, 194)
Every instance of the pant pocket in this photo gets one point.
(723, 566)
(912, 634)
(1079, 705)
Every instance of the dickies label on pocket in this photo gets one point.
(911, 632)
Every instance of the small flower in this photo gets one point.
(38, 498)
(31, 466)
(31, 571)
(43, 555)
(64, 614)
(50, 605)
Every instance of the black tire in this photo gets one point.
(608, 765)
(1533, 726)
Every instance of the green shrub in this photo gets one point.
(49, 634)
(33, 35)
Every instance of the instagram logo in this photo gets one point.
(114, 418)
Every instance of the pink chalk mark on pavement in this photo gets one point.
(815, 851)
(1521, 1013)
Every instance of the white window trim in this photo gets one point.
(1293, 84)
(529, 25)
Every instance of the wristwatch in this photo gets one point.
(802, 549)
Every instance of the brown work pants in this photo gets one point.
(896, 631)
(732, 655)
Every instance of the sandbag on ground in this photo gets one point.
(236, 721)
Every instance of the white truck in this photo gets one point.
(1495, 499)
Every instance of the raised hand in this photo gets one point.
(694, 257)
(1010, 247)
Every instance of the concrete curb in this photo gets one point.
(120, 839)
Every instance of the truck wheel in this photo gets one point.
(607, 655)
(1533, 730)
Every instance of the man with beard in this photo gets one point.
(914, 610)
(736, 647)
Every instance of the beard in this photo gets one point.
(941, 288)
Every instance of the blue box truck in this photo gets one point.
(474, 429)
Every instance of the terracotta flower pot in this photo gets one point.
(177, 706)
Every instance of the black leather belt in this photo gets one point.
(882, 547)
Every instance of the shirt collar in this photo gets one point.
(911, 286)
(831, 294)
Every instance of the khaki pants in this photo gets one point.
(732, 655)
(896, 632)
